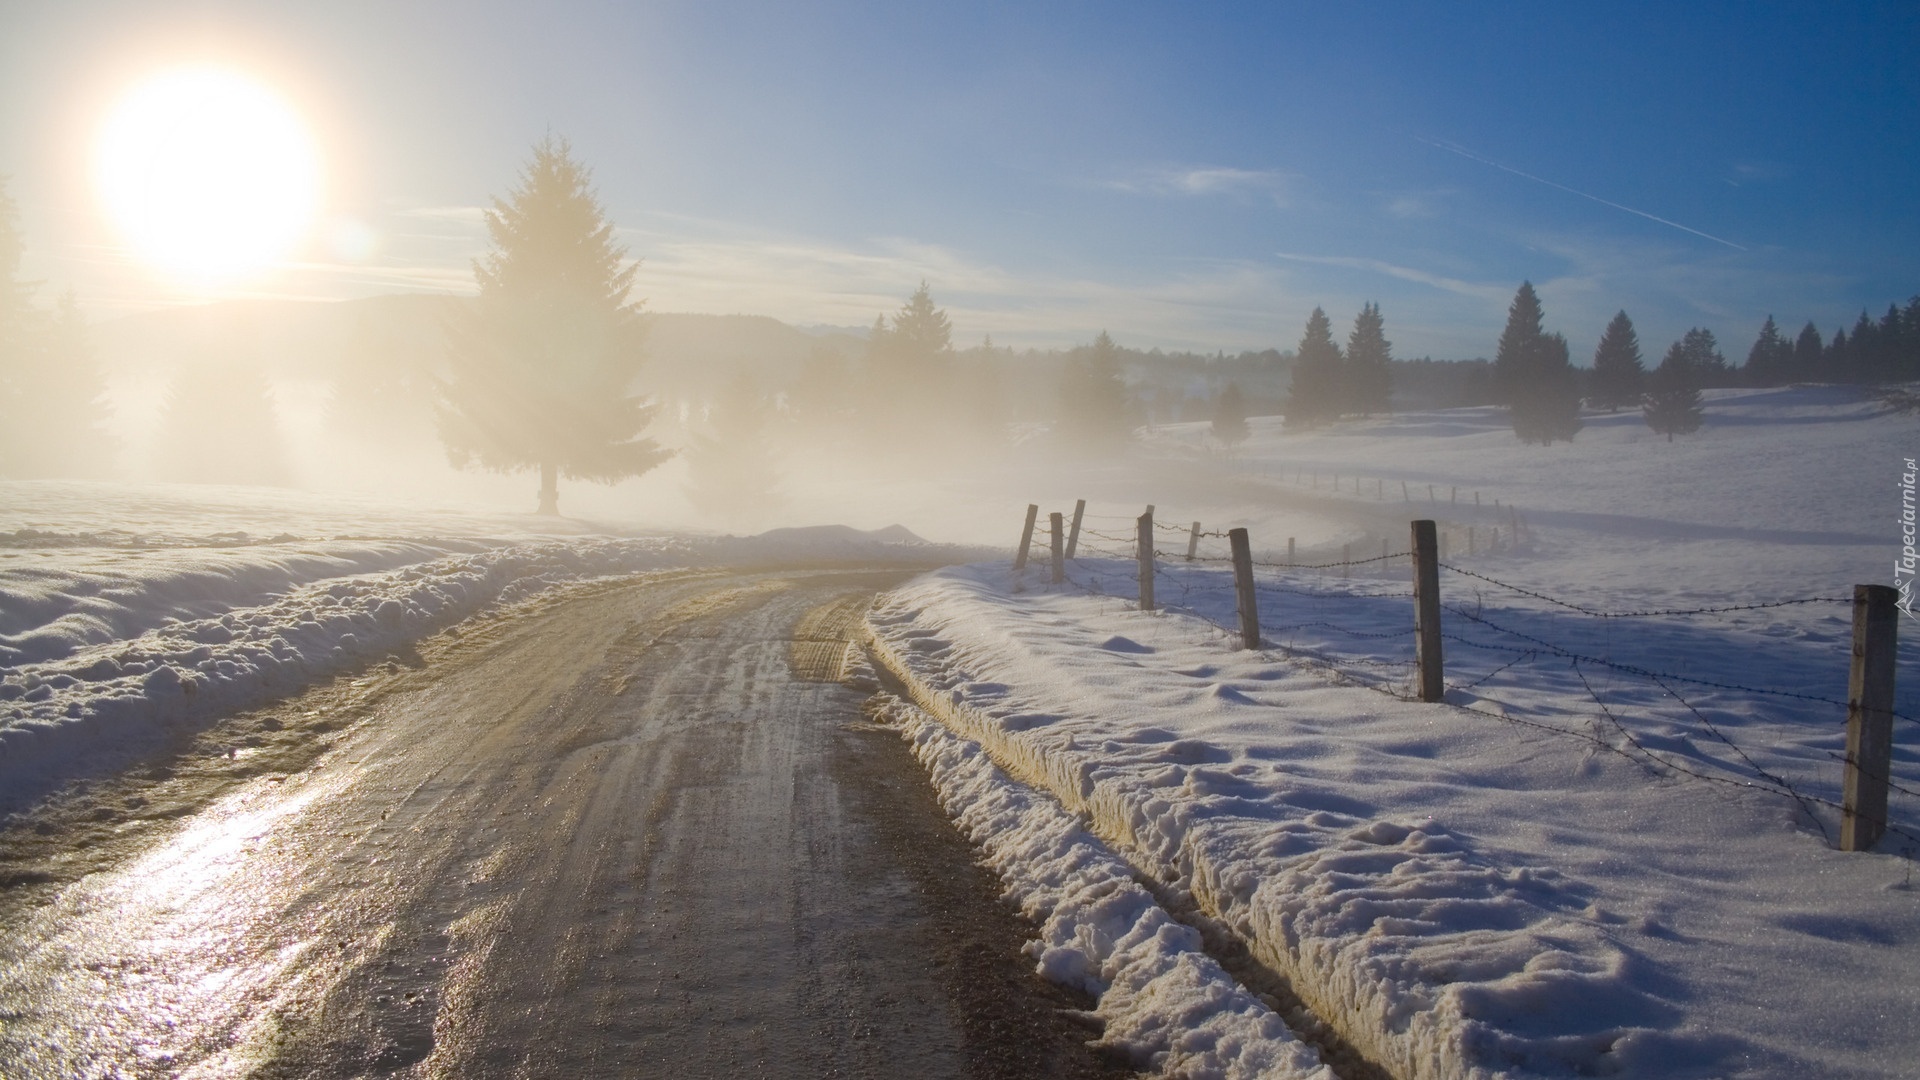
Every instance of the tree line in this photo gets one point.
(540, 370)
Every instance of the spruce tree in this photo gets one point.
(1546, 395)
(1315, 395)
(1521, 335)
(543, 362)
(1534, 375)
(1807, 351)
(1095, 407)
(1369, 371)
(1619, 377)
(1703, 354)
(1836, 363)
(1770, 361)
(921, 332)
(1673, 398)
(1230, 417)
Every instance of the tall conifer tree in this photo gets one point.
(1673, 399)
(1807, 352)
(1095, 408)
(1618, 375)
(543, 365)
(1230, 417)
(1369, 371)
(1521, 334)
(1770, 361)
(1316, 393)
(1534, 375)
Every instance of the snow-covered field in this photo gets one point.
(128, 613)
(1609, 852)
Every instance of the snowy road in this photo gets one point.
(633, 834)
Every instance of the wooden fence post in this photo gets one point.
(1145, 555)
(1863, 814)
(1026, 537)
(1431, 497)
(1243, 587)
(1073, 534)
(1289, 551)
(1453, 496)
(1346, 560)
(1193, 541)
(1426, 611)
(1493, 541)
(1059, 547)
(1476, 500)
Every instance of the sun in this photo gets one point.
(207, 173)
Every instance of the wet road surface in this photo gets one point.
(635, 833)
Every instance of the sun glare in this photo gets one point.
(207, 173)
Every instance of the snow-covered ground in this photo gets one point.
(130, 612)
(1609, 852)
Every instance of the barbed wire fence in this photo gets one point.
(1511, 651)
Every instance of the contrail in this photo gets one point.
(1470, 156)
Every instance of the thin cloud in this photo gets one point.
(1453, 148)
(1499, 294)
(1209, 180)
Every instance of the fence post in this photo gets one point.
(1059, 547)
(1145, 555)
(1289, 551)
(1026, 537)
(1193, 541)
(1404, 497)
(1493, 541)
(1431, 497)
(1470, 540)
(1073, 534)
(1346, 561)
(1453, 496)
(1863, 815)
(1476, 500)
(1243, 587)
(1426, 611)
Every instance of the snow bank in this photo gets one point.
(1165, 1003)
(130, 613)
(1458, 893)
(96, 703)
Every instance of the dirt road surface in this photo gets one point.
(634, 832)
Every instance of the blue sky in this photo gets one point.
(1181, 175)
